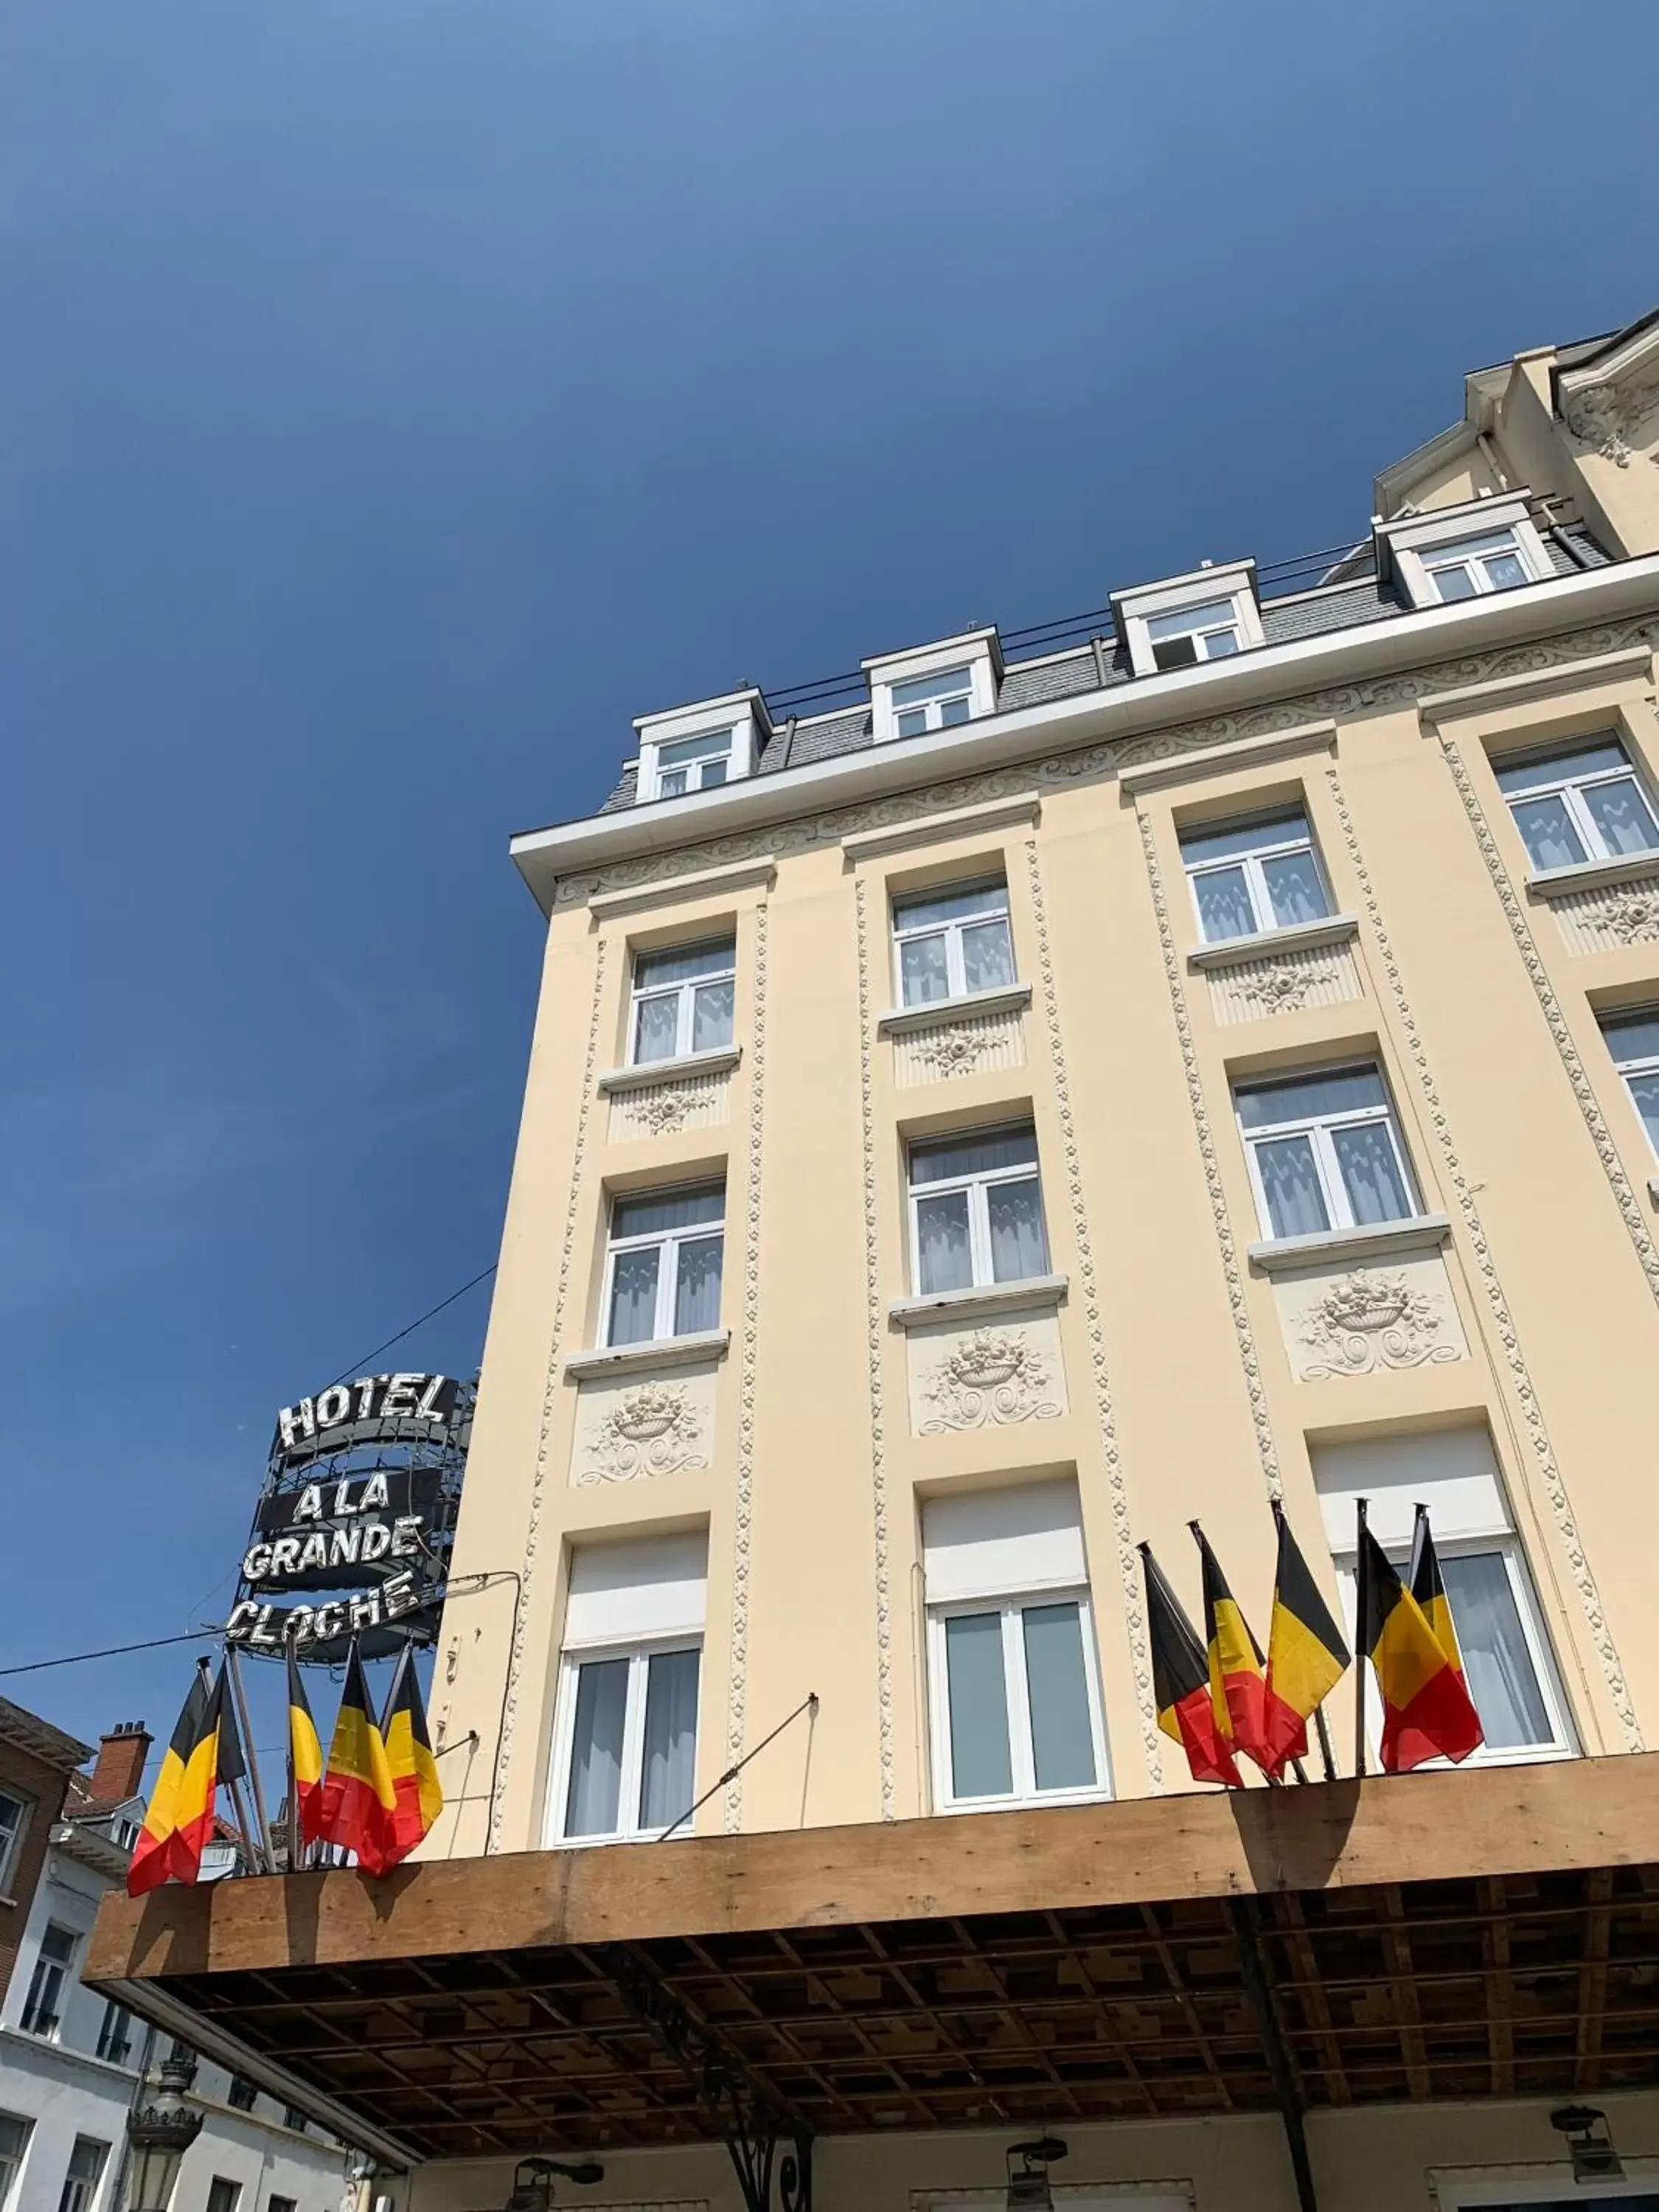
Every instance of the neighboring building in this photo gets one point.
(1197, 1057)
(71, 2061)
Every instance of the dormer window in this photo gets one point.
(933, 687)
(700, 747)
(1209, 614)
(933, 702)
(1464, 552)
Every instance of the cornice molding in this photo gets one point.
(1378, 1240)
(752, 870)
(1302, 937)
(1024, 806)
(1011, 999)
(1542, 684)
(1246, 752)
(645, 1073)
(983, 1298)
(707, 1344)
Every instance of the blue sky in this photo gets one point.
(399, 397)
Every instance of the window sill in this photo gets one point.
(983, 1298)
(655, 1351)
(1653, 1192)
(1380, 1241)
(1047, 1801)
(669, 1071)
(1590, 875)
(900, 1020)
(1301, 936)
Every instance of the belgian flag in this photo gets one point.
(357, 1801)
(420, 1796)
(1180, 1683)
(1239, 1690)
(304, 1755)
(1427, 1712)
(1430, 1590)
(205, 1750)
(1307, 1655)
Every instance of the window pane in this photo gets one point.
(697, 1292)
(672, 782)
(1018, 1246)
(1062, 1742)
(934, 908)
(1175, 653)
(978, 1155)
(713, 772)
(1251, 836)
(1219, 643)
(923, 974)
(671, 1738)
(633, 1296)
(1224, 904)
(981, 1764)
(1295, 1205)
(913, 722)
(1370, 1170)
(944, 1262)
(710, 744)
(685, 963)
(711, 1016)
(1633, 1036)
(660, 1211)
(1496, 1661)
(1547, 832)
(987, 955)
(593, 1798)
(1454, 583)
(921, 688)
(1593, 759)
(656, 1029)
(1294, 887)
(1186, 619)
(1261, 1105)
(1645, 1097)
(1622, 815)
(1505, 570)
(953, 711)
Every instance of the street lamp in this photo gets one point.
(1593, 2158)
(1028, 2188)
(532, 2181)
(159, 2133)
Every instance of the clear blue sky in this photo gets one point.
(400, 395)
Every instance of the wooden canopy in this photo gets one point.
(1429, 1937)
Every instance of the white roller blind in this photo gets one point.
(651, 1586)
(1452, 1471)
(994, 1543)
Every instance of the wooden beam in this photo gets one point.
(1520, 1819)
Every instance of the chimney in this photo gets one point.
(119, 1766)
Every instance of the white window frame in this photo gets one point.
(8, 2181)
(976, 651)
(686, 1012)
(41, 1967)
(1564, 1742)
(741, 715)
(955, 971)
(1250, 862)
(947, 688)
(1233, 582)
(115, 2033)
(1569, 789)
(1411, 545)
(218, 2181)
(1012, 1608)
(78, 2193)
(1641, 1064)
(978, 1186)
(668, 1267)
(639, 1652)
(1317, 1128)
(11, 1839)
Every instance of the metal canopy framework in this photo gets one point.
(1005, 1971)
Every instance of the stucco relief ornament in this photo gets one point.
(1632, 915)
(994, 1376)
(956, 1048)
(658, 1112)
(653, 1430)
(1606, 418)
(1285, 986)
(1369, 1321)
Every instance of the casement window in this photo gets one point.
(1633, 1041)
(695, 763)
(1468, 566)
(1189, 634)
(295, 2118)
(1324, 1152)
(1254, 876)
(663, 1269)
(1014, 1688)
(13, 1818)
(223, 2194)
(276, 2203)
(624, 1761)
(976, 1211)
(84, 2172)
(242, 2095)
(115, 2034)
(53, 1971)
(682, 1000)
(1578, 803)
(952, 941)
(1507, 1661)
(15, 2133)
(933, 702)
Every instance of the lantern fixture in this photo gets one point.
(1593, 2158)
(159, 2132)
(532, 2181)
(1027, 2187)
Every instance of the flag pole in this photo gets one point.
(1360, 1656)
(296, 1841)
(1324, 1743)
(239, 1698)
(244, 1828)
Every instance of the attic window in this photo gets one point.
(693, 763)
(1194, 633)
(1209, 614)
(701, 746)
(933, 702)
(1465, 552)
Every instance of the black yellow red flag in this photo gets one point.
(414, 1783)
(1307, 1652)
(203, 1751)
(304, 1755)
(1239, 1690)
(1181, 1681)
(357, 1801)
(152, 1855)
(1427, 1712)
(1429, 1589)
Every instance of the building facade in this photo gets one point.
(72, 2061)
(1199, 1060)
